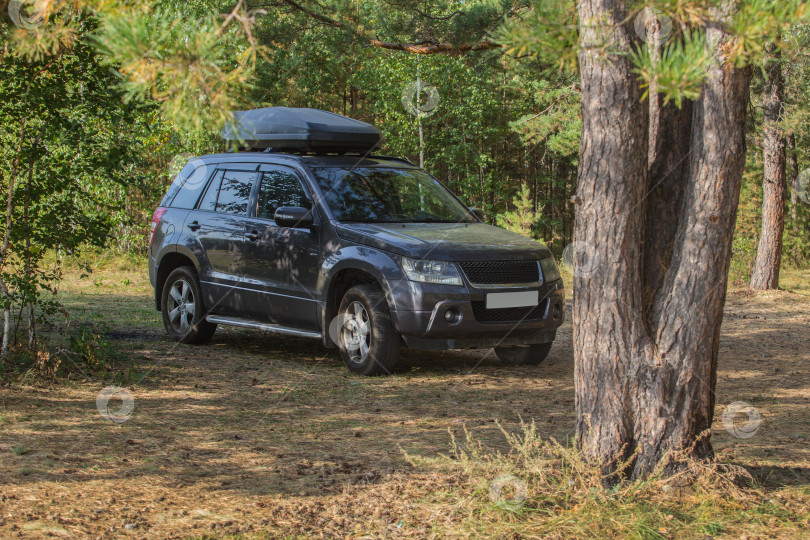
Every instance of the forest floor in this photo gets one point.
(254, 435)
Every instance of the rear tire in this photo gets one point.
(183, 309)
(368, 343)
(523, 355)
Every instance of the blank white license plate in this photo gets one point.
(512, 299)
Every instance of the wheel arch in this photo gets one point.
(168, 263)
(341, 281)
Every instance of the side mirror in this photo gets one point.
(478, 213)
(293, 216)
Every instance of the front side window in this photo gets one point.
(280, 188)
(389, 195)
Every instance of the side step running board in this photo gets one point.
(278, 329)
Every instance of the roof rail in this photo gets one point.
(317, 154)
(395, 158)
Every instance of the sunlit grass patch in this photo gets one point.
(541, 488)
(795, 280)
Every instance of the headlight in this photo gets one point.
(441, 272)
(550, 270)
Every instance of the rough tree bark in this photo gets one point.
(774, 188)
(655, 218)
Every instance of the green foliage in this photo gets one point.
(558, 125)
(67, 162)
(193, 67)
(87, 354)
(523, 219)
(678, 70)
(757, 23)
(548, 31)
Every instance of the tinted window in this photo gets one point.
(191, 188)
(177, 183)
(383, 195)
(209, 201)
(234, 193)
(280, 188)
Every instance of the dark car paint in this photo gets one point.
(266, 280)
(445, 241)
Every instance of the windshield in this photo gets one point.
(389, 195)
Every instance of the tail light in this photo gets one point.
(155, 220)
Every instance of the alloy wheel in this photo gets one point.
(181, 306)
(356, 332)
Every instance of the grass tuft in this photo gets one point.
(541, 488)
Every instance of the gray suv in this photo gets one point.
(365, 253)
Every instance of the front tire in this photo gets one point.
(368, 343)
(523, 355)
(182, 308)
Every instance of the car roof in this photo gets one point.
(311, 160)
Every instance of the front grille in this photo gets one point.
(500, 272)
(508, 315)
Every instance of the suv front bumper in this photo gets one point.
(429, 329)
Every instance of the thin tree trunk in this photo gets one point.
(774, 189)
(655, 220)
(4, 247)
(421, 145)
(28, 265)
(793, 172)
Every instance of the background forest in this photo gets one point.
(102, 102)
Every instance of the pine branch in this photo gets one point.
(416, 48)
(436, 48)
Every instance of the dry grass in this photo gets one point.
(261, 436)
(542, 489)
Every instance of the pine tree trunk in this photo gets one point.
(656, 224)
(774, 189)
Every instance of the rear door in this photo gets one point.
(282, 263)
(219, 223)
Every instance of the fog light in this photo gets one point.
(557, 311)
(450, 315)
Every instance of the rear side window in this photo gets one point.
(229, 193)
(177, 183)
(187, 196)
(280, 188)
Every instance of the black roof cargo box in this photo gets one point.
(286, 129)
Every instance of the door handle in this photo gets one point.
(252, 236)
(194, 225)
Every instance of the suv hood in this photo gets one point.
(444, 241)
